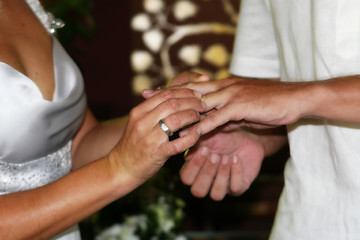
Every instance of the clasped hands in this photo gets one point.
(228, 156)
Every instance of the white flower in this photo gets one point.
(141, 22)
(138, 221)
(141, 82)
(184, 9)
(110, 233)
(117, 231)
(128, 233)
(190, 54)
(163, 225)
(166, 225)
(181, 237)
(217, 55)
(153, 39)
(141, 61)
(153, 6)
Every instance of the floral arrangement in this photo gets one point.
(159, 221)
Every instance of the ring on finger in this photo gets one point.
(165, 128)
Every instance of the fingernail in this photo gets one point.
(204, 77)
(184, 133)
(148, 91)
(204, 151)
(203, 103)
(225, 160)
(197, 94)
(235, 159)
(214, 158)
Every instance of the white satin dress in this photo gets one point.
(36, 134)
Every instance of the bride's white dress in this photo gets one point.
(35, 139)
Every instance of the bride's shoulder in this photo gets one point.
(47, 19)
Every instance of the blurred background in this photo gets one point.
(124, 46)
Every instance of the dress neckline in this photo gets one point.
(32, 82)
(50, 24)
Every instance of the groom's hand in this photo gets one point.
(223, 162)
(182, 79)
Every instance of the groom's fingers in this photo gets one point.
(216, 119)
(220, 186)
(237, 185)
(204, 180)
(186, 77)
(182, 79)
(193, 165)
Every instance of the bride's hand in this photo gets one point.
(144, 146)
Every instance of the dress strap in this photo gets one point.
(48, 20)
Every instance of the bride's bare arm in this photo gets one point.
(104, 135)
(137, 156)
(96, 139)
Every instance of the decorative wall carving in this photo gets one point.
(170, 36)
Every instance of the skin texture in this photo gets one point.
(224, 160)
(115, 165)
(227, 159)
(239, 153)
(262, 105)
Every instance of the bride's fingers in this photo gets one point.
(163, 129)
(170, 148)
(175, 108)
(181, 112)
(148, 93)
(180, 120)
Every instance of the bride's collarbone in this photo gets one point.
(34, 59)
(27, 47)
(37, 64)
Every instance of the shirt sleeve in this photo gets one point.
(255, 51)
